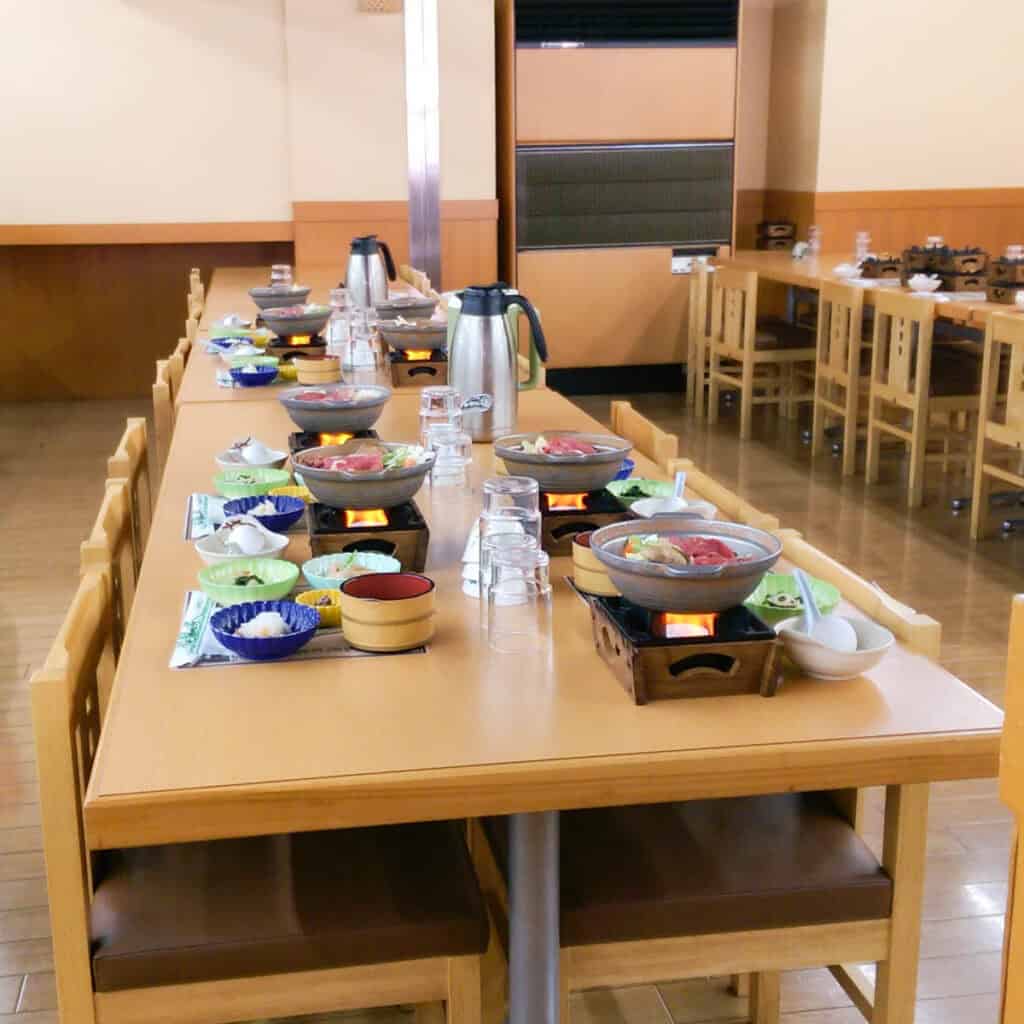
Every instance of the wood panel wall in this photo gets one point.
(608, 307)
(590, 94)
(991, 218)
(469, 235)
(89, 321)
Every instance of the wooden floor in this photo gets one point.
(52, 465)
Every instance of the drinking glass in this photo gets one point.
(862, 245)
(337, 330)
(439, 403)
(814, 239)
(519, 602)
(518, 525)
(511, 492)
(935, 242)
(281, 273)
(453, 454)
(362, 349)
(1015, 252)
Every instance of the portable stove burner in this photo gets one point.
(562, 516)
(297, 345)
(418, 368)
(665, 655)
(400, 532)
(302, 440)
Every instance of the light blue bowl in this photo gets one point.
(370, 561)
(301, 619)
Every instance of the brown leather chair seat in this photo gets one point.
(240, 908)
(700, 867)
(955, 371)
(774, 333)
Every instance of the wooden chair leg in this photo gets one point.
(747, 397)
(903, 857)
(850, 430)
(464, 990)
(700, 378)
(979, 503)
(918, 447)
(764, 997)
(874, 443)
(739, 985)
(428, 1013)
(817, 422)
(713, 387)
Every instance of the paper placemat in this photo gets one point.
(205, 512)
(197, 647)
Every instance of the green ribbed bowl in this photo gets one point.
(250, 482)
(279, 576)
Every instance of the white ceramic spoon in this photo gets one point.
(831, 631)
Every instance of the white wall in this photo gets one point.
(346, 94)
(120, 111)
(132, 111)
(921, 94)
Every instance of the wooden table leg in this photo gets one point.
(903, 856)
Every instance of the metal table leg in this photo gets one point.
(533, 918)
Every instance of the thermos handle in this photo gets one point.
(535, 328)
(388, 261)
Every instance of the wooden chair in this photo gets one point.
(111, 547)
(238, 929)
(183, 349)
(130, 462)
(630, 917)
(175, 373)
(1000, 416)
(749, 360)
(838, 384)
(192, 329)
(196, 296)
(908, 389)
(697, 341)
(729, 505)
(163, 414)
(647, 438)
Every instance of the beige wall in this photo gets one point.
(753, 94)
(920, 94)
(798, 44)
(129, 111)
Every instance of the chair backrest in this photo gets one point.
(192, 329)
(902, 340)
(183, 349)
(730, 505)
(111, 548)
(840, 315)
(647, 438)
(733, 308)
(921, 633)
(1004, 350)
(163, 414)
(700, 307)
(175, 373)
(67, 714)
(130, 462)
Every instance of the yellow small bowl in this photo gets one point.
(286, 371)
(388, 611)
(330, 613)
(588, 573)
(294, 491)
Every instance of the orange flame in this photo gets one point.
(417, 355)
(365, 517)
(566, 502)
(674, 625)
(300, 339)
(326, 438)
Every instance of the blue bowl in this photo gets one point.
(262, 376)
(301, 619)
(289, 510)
(627, 467)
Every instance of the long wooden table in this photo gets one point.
(808, 273)
(460, 731)
(230, 294)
